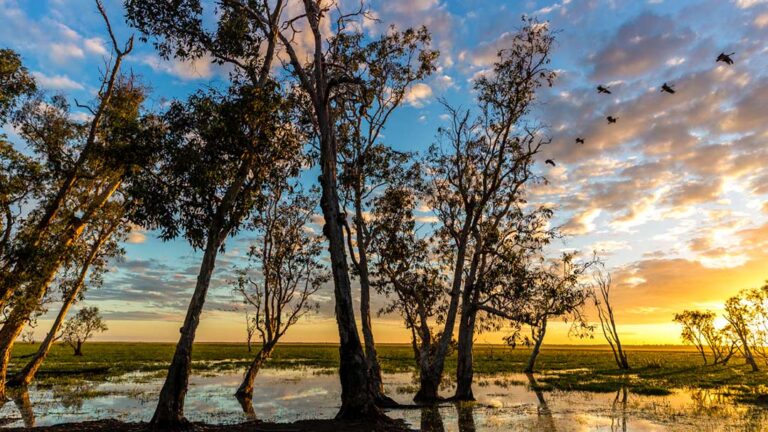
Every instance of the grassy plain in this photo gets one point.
(655, 369)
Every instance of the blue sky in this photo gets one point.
(673, 196)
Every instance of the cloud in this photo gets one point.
(639, 46)
(745, 4)
(95, 46)
(64, 52)
(418, 95)
(56, 82)
(200, 68)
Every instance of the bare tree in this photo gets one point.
(602, 301)
(284, 271)
(81, 327)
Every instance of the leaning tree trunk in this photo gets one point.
(27, 374)
(245, 390)
(536, 346)
(170, 407)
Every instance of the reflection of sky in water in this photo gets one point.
(503, 403)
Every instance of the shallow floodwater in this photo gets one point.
(504, 402)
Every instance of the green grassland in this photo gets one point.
(655, 369)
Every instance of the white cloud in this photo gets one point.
(56, 82)
(745, 4)
(95, 46)
(61, 53)
(418, 94)
(187, 70)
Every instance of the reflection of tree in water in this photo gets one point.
(246, 402)
(21, 399)
(466, 416)
(545, 420)
(432, 420)
(72, 397)
(619, 414)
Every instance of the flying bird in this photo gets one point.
(579, 140)
(667, 88)
(611, 119)
(550, 162)
(603, 89)
(725, 58)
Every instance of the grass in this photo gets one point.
(656, 369)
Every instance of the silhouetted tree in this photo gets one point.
(82, 167)
(698, 329)
(478, 172)
(602, 301)
(81, 327)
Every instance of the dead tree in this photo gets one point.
(602, 301)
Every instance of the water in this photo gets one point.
(504, 403)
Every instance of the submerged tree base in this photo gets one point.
(251, 426)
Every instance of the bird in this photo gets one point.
(611, 119)
(725, 58)
(667, 88)
(550, 162)
(603, 89)
(579, 140)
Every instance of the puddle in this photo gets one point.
(504, 402)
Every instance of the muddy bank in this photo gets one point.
(252, 426)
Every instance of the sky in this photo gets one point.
(674, 196)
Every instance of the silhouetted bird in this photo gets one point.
(667, 88)
(725, 58)
(579, 140)
(603, 89)
(611, 119)
(550, 162)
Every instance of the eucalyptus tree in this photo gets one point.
(81, 327)
(407, 272)
(283, 272)
(478, 173)
(247, 35)
(386, 69)
(99, 244)
(252, 139)
(84, 166)
(19, 174)
(555, 290)
(218, 152)
(72, 152)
